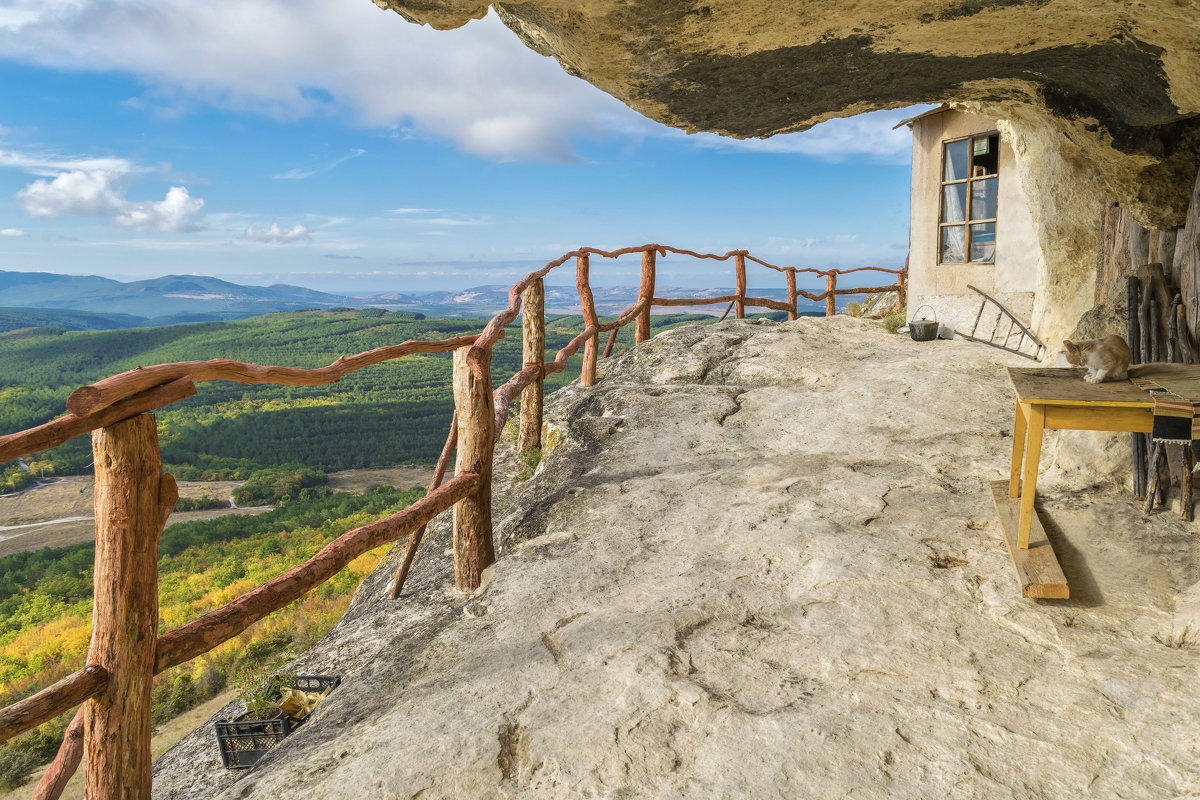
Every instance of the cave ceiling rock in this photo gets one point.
(1119, 81)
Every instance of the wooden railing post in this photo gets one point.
(473, 549)
(645, 295)
(791, 282)
(533, 347)
(133, 500)
(739, 305)
(591, 348)
(830, 297)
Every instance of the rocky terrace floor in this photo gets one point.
(762, 561)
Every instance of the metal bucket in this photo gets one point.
(923, 330)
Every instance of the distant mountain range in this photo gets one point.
(157, 297)
(90, 302)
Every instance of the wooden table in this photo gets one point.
(1056, 399)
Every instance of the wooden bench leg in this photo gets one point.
(1035, 421)
(1014, 480)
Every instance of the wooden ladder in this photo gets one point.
(1024, 336)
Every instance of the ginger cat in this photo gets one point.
(1107, 359)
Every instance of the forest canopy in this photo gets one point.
(391, 413)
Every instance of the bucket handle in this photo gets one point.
(918, 311)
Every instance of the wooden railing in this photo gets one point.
(111, 730)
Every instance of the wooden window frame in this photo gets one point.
(967, 221)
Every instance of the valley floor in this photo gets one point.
(59, 512)
(763, 561)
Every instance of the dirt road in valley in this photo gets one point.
(59, 512)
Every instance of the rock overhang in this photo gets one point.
(1111, 90)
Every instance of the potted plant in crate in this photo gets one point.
(261, 685)
(277, 701)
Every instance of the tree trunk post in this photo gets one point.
(533, 347)
(1133, 329)
(792, 296)
(473, 549)
(830, 297)
(591, 348)
(641, 331)
(1173, 330)
(739, 305)
(133, 500)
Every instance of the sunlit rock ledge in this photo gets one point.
(762, 561)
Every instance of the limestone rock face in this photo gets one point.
(762, 561)
(1108, 90)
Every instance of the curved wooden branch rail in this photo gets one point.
(825, 295)
(51, 701)
(88, 399)
(206, 632)
(821, 272)
(778, 305)
(504, 394)
(439, 474)
(55, 432)
(55, 778)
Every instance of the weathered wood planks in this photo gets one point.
(1038, 572)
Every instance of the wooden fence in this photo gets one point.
(111, 730)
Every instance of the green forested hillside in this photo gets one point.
(46, 603)
(386, 414)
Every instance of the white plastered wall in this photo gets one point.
(1012, 279)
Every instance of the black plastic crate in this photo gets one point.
(243, 743)
(311, 683)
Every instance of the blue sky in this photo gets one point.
(330, 144)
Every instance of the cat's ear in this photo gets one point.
(1071, 346)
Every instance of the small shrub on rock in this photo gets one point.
(529, 460)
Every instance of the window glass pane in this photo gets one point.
(955, 160)
(954, 202)
(985, 155)
(983, 242)
(952, 244)
(983, 199)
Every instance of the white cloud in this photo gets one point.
(300, 174)
(75, 192)
(478, 86)
(416, 210)
(452, 221)
(12, 232)
(50, 165)
(174, 213)
(867, 135)
(276, 234)
(96, 192)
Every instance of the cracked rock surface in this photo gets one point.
(762, 561)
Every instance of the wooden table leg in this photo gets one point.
(1014, 480)
(1035, 417)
